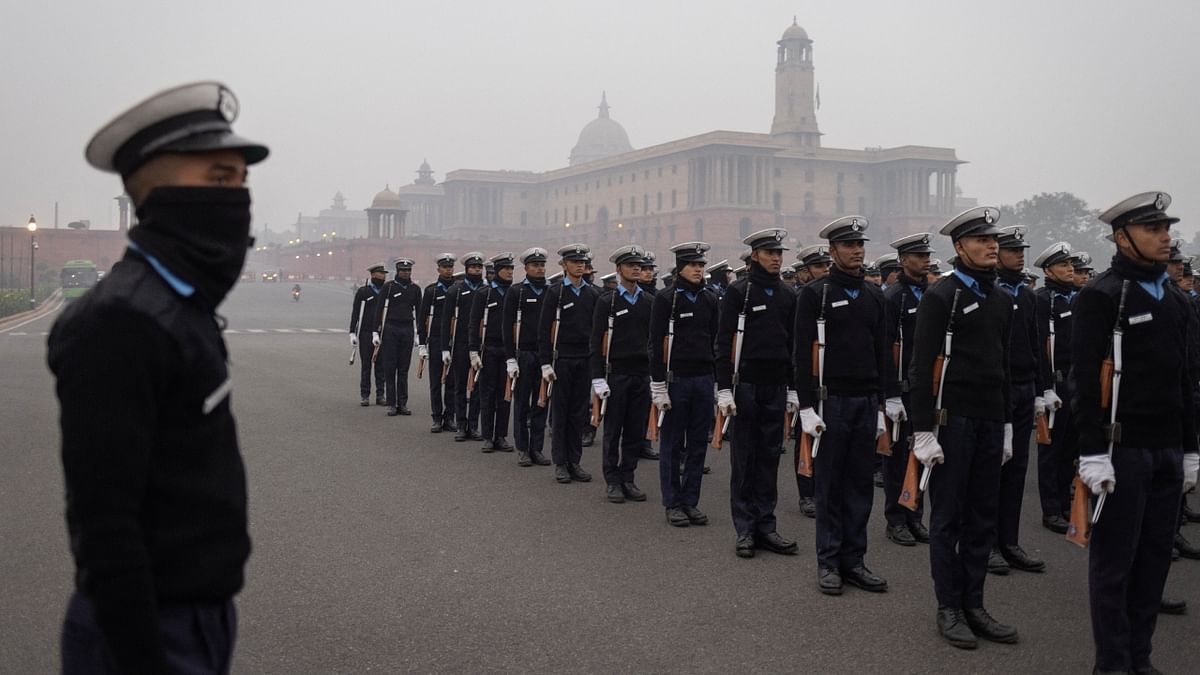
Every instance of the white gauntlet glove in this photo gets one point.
(927, 449)
(513, 369)
(600, 387)
(445, 358)
(1191, 466)
(1096, 471)
(1007, 448)
(375, 339)
(1053, 402)
(793, 401)
(353, 340)
(725, 403)
(659, 395)
(811, 422)
(880, 425)
(476, 362)
(423, 351)
(894, 409)
(1039, 406)
(548, 373)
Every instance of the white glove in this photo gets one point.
(1008, 443)
(811, 423)
(927, 449)
(725, 403)
(353, 340)
(600, 386)
(1053, 402)
(1191, 466)
(513, 369)
(659, 395)
(476, 362)
(894, 409)
(793, 401)
(423, 351)
(1039, 406)
(548, 373)
(375, 339)
(880, 425)
(1097, 473)
(445, 358)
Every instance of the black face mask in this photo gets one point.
(377, 283)
(200, 234)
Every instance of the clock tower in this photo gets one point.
(795, 95)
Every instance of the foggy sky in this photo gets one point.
(1098, 98)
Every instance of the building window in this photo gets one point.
(620, 207)
(673, 169)
(609, 182)
(556, 221)
(646, 175)
(660, 172)
(659, 207)
(555, 192)
(587, 215)
(841, 204)
(862, 205)
(808, 202)
(645, 203)
(744, 227)
(778, 172)
(862, 178)
(577, 187)
(524, 219)
(699, 229)
(620, 179)
(597, 185)
(576, 216)
(673, 200)
(841, 178)
(777, 202)
(633, 177)
(547, 223)
(523, 194)
(809, 176)
(671, 232)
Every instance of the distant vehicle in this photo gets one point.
(271, 275)
(77, 277)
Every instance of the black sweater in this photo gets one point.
(574, 315)
(630, 333)
(402, 301)
(1155, 404)
(155, 486)
(1055, 300)
(1026, 347)
(692, 351)
(767, 338)
(855, 338)
(365, 294)
(489, 298)
(526, 297)
(429, 318)
(457, 309)
(902, 302)
(977, 377)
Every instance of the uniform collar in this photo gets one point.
(181, 287)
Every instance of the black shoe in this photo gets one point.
(808, 507)
(366, 402)
(1186, 548)
(615, 494)
(538, 458)
(776, 544)
(953, 627)
(878, 479)
(919, 532)
(632, 492)
(707, 470)
(589, 437)
(436, 428)
(379, 400)
(648, 453)
(1018, 559)
(677, 518)
(695, 516)
(899, 534)
(983, 625)
(1191, 514)
(523, 459)
(1147, 670)
(391, 411)
(502, 444)
(489, 447)
(865, 579)
(745, 546)
(561, 474)
(829, 581)
(578, 474)
(1056, 524)
(460, 436)
(1172, 605)
(403, 411)
(1174, 554)
(449, 426)
(474, 435)
(996, 563)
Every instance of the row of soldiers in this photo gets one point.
(953, 371)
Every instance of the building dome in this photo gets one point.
(795, 32)
(386, 199)
(602, 137)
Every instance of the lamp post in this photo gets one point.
(32, 227)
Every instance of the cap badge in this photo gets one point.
(1158, 201)
(227, 105)
(988, 217)
(925, 239)
(778, 235)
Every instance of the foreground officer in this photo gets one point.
(753, 379)
(486, 351)
(976, 429)
(564, 334)
(904, 526)
(522, 311)
(852, 309)
(401, 297)
(454, 351)
(621, 373)
(1056, 459)
(1153, 446)
(429, 339)
(155, 484)
(682, 330)
(363, 318)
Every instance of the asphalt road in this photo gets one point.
(379, 547)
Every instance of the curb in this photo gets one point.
(49, 306)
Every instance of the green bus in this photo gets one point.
(77, 277)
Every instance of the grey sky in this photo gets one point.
(1097, 98)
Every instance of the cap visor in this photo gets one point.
(252, 151)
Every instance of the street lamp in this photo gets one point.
(32, 227)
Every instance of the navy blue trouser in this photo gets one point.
(466, 410)
(441, 396)
(842, 476)
(964, 492)
(493, 414)
(396, 356)
(754, 456)
(894, 467)
(529, 419)
(1012, 474)
(625, 423)
(365, 350)
(1130, 552)
(1056, 461)
(568, 400)
(198, 638)
(684, 440)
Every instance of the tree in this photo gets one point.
(1059, 216)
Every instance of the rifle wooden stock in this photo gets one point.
(542, 394)
(1106, 377)
(420, 367)
(652, 424)
(910, 491)
(718, 431)
(938, 364)
(787, 424)
(1078, 530)
(883, 444)
(666, 354)
(375, 354)
(508, 388)
(1043, 429)
(804, 458)
(896, 353)
(595, 411)
(470, 380)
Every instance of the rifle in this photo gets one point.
(818, 359)
(600, 405)
(362, 308)
(453, 328)
(898, 357)
(651, 427)
(511, 382)
(1110, 388)
(382, 327)
(1054, 374)
(473, 374)
(544, 391)
(1078, 528)
(940, 365)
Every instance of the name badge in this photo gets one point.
(971, 308)
(531, 299)
(439, 297)
(467, 292)
(569, 305)
(840, 303)
(758, 308)
(624, 311)
(396, 295)
(1064, 315)
(493, 304)
(214, 399)
(1140, 318)
(1014, 306)
(686, 315)
(912, 310)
